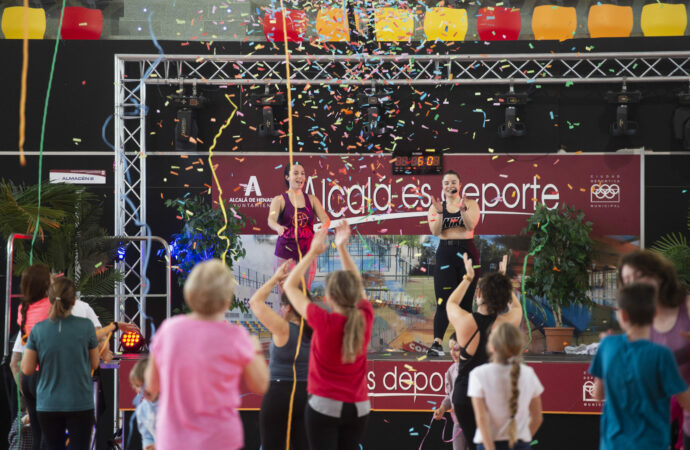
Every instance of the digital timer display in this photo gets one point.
(417, 163)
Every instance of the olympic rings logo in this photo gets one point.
(605, 193)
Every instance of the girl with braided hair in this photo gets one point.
(506, 394)
(496, 304)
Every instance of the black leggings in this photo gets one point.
(462, 406)
(332, 433)
(274, 413)
(77, 423)
(448, 274)
(29, 384)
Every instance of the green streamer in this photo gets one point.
(524, 271)
(43, 134)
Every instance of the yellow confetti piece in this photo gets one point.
(410, 368)
(421, 358)
(440, 300)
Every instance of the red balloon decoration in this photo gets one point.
(295, 22)
(499, 23)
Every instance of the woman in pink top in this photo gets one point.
(34, 308)
(672, 317)
(338, 407)
(196, 363)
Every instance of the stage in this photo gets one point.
(410, 382)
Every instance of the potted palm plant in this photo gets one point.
(563, 251)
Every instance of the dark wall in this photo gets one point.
(558, 117)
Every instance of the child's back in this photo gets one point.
(200, 363)
(639, 378)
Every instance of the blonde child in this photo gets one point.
(447, 404)
(196, 363)
(506, 394)
(338, 408)
(147, 407)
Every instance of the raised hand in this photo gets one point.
(282, 272)
(469, 270)
(342, 233)
(318, 243)
(503, 265)
(437, 204)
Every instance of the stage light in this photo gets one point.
(372, 104)
(512, 127)
(186, 128)
(268, 103)
(681, 120)
(132, 342)
(623, 126)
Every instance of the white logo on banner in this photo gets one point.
(605, 190)
(605, 193)
(252, 185)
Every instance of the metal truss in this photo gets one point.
(364, 69)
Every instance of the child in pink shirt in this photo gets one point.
(196, 363)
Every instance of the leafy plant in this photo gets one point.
(564, 252)
(199, 240)
(70, 239)
(674, 246)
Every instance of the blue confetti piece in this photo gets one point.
(445, 267)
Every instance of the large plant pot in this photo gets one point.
(557, 338)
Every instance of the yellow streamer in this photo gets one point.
(22, 94)
(288, 87)
(215, 178)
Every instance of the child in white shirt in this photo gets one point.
(506, 394)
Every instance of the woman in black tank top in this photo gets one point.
(472, 329)
(454, 221)
(273, 417)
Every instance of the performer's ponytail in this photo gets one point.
(345, 289)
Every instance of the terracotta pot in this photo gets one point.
(557, 338)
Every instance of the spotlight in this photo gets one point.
(132, 342)
(681, 120)
(512, 127)
(186, 128)
(372, 105)
(622, 126)
(268, 102)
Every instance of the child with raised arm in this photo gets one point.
(506, 394)
(285, 327)
(636, 377)
(196, 363)
(339, 405)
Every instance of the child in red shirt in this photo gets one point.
(339, 405)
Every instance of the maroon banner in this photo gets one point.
(419, 386)
(363, 190)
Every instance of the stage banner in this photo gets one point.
(400, 385)
(363, 189)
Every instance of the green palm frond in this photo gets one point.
(101, 283)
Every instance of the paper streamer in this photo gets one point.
(443, 432)
(22, 92)
(215, 178)
(43, 123)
